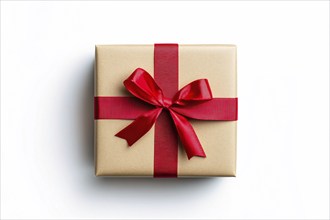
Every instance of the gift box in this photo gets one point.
(165, 110)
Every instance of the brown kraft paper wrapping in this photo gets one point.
(113, 157)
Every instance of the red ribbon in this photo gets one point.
(142, 85)
(192, 101)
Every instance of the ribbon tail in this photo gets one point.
(187, 136)
(139, 126)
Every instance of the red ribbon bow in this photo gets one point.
(182, 105)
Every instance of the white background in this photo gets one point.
(47, 53)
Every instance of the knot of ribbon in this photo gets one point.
(141, 85)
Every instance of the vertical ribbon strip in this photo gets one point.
(166, 70)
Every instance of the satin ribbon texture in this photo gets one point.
(182, 106)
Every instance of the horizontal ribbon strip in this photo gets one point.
(123, 107)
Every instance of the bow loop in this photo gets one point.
(142, 85)
(198, 90)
